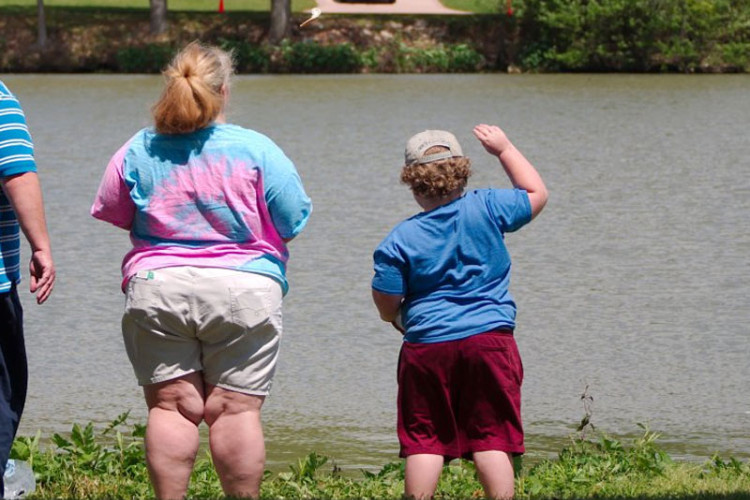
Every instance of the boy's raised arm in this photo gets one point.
(520, 171)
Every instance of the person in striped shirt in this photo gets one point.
(20, 206)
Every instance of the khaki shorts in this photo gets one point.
(225, 323)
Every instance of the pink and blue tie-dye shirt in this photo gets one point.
(223, 196)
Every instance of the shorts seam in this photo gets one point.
(405, 452)
(164, 378)
(492, 445)
(230, 387)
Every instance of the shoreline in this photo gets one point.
(96, 464)
(89, 40)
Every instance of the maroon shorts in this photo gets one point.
(459, 397)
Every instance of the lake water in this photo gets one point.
(634, 281)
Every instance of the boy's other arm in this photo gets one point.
(520, 171)
(387, 304)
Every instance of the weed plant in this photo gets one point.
(91, 464)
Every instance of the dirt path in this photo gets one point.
(398, 7)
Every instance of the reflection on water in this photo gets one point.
(633, 282)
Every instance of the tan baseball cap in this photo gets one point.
(418, 145)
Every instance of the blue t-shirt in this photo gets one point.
(452, 266)
(16, 157)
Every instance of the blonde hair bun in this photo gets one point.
(193, 94)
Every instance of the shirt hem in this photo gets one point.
(462, 335)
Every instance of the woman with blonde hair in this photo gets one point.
(210, 208)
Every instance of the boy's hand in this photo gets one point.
(492, 138)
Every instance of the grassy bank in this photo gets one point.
(88, 464)
(606, 35)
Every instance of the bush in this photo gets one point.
(248, 58)
(401, 58)
(149, 58)
(736, 55)
(464, 58)
(310, 57)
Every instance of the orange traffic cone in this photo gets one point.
(221, 6)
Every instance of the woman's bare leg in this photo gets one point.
(236, 440)
(175, 409)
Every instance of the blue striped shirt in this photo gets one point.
(16, 157)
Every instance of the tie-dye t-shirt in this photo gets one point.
(223, 196)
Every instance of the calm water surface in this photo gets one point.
(634, 282)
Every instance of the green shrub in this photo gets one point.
(736, 55)
(248, 57)
(419, 60)
(149, 58)
(464, 59)
(311, 57)
(458, 58)
(370, 59)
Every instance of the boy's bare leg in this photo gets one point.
(495, 469)
(422, 475)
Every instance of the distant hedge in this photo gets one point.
(311, 57)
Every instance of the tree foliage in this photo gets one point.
(634, 35)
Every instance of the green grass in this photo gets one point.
(174, 5)
(477, 6)
(87, 464)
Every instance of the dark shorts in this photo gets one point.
(459, 397)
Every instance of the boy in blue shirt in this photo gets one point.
(442, 278)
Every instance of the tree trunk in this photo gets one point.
(158, 16)
(41, 25)
(281, 16)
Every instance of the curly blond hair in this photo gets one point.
(437, 179)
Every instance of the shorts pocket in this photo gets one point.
(142, 295)
(499, 355)
(250, 306)
(492, 342)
